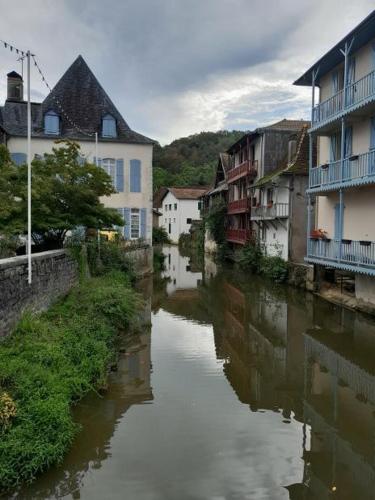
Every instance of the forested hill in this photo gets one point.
(191, 160)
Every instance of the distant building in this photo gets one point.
(342, 180)
(253, 157)
(76, 109)
(179, 207)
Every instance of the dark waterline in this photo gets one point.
(241, 390)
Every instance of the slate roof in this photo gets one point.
(84, 101)
(187, 193)
(299, 164)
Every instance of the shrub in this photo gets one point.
(160, 236)
(275, 268)
(250, 257)
(51, 361)
(215, 221)
(8, 246)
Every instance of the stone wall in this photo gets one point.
(301, 276)
(142, 258)
(54, 273)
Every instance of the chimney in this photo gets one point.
(15, 87)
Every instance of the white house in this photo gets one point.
(76, 109)
(179, 207)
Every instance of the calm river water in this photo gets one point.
(241, 390)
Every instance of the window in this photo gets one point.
(174, 220)
(188, 268)
(166, 208)
(109, 166)
(188, 221)
(175, 206)
(170, 207)
(109, 126)
(51, 123)
(134, 223)
(199, 205)
(18, 158)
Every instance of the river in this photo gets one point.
(240, 390)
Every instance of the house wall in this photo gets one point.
(359, 222)
(275, 149)
(127, 152)
(298, 219)
(178, 269)
(186, 209)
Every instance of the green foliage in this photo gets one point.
(273, 267)
(215, 220)
(51, 361)
(160, 236)
(66, 194)
(185, 241)
(8, 246)
(191, 160)
(159, 259)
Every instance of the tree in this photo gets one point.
(65, 194)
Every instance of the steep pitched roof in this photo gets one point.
(84, 101)
(187, 193)
(299, 164)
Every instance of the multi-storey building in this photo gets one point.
(256, 156)
(341, 182)
(76, 109)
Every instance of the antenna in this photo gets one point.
(21, 59)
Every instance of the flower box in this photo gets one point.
(365, 243)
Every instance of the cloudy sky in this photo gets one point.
(176, 67)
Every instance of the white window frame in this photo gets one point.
(109, 166)
(135, 211)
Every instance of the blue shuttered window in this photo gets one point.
(119, 176)
(143, 222)
(372, 135)
(51, 123)
(18, 158)
(109, 126)
(135, 176)
(348, 142)
(127, 223)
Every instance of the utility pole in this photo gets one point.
(29, 171)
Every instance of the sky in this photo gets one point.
(179, 67)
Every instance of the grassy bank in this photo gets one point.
(51, 361)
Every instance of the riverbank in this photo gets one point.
(51, 361)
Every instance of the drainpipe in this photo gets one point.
(341, 221)
(308, 223)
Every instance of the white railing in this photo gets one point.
(274, 211)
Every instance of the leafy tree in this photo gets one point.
(65, 194)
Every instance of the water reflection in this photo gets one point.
(257, 392)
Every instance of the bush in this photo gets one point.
(275, 268)
(51, 361)
(215, 221)
(250, 257)
(159, 259)
(8, 246)
(160, 236)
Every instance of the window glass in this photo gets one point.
(134, 223)
(188, 221)
(109, 166)
(175, 206)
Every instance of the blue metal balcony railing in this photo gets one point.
(272, 211)
(355, 170)
(348, 254)
(356, 93)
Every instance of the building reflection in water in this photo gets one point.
(292, 353)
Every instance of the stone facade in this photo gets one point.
(54, 273)
(142, 259)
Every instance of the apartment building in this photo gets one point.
(76, 109)
(341, 225)
(256, 209)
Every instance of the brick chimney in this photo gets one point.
(15, 87)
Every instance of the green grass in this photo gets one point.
(50, 362)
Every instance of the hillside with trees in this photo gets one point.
(191, 160)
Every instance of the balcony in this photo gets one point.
(246, 168)
(357, 95)
(238, 206)
(356, 170)
(240, 236)
(274, 211)
(350, 255)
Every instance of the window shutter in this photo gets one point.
(119, 176)
(99, 161)
(135, 176)
(332, 149)
(351, 71)
(348, 141)
(372, 137)
(143, 222)
(335, 82)
(18, 158)
(127, 223)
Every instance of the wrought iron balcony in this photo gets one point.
(353, 171)
(356, 95)
(240, 236)
(356, 256)
(274, 211)
(246, 168)
(238, 206)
